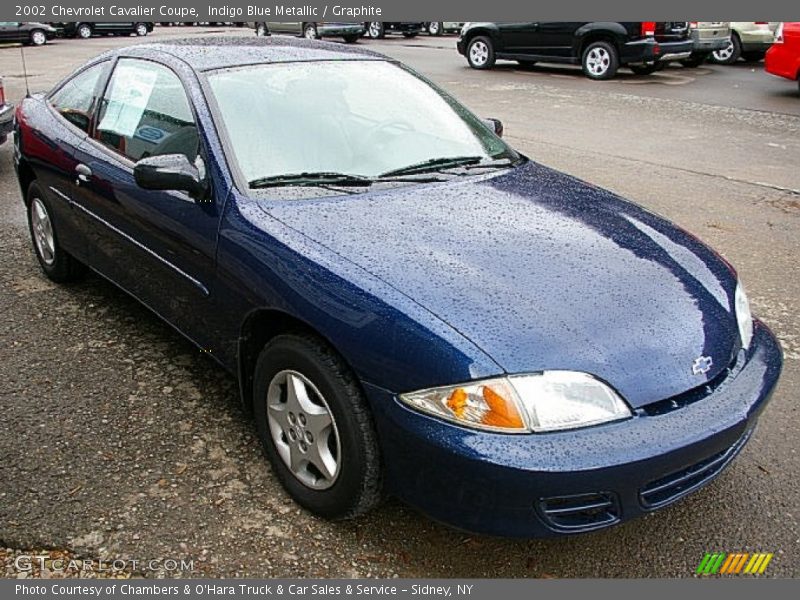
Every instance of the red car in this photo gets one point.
(783, 57)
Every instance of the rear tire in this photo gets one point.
(730, 53)
(141, 29)
(310, 31)
(38, 37)
(84, 31)
(436, 28)
(600, 60)
(350, 481)
(480, 53)
(57, 264)
(261, 30)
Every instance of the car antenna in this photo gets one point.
(24, 68)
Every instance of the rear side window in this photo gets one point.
(145, 112)
(76, 98)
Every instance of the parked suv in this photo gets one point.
(312, 31)
(86, 30)
(600, 48)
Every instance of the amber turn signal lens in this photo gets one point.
(457, 402)
(502, 412)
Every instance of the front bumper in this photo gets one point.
(540, 485)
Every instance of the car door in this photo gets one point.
(291, 27)
(158, 245)
(519, 38)
(556, 39)
(53, 147)
(10, 31)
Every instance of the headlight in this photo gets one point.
(743, 316)
(546, 401)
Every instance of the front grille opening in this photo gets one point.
(582, 512)
(676, 485)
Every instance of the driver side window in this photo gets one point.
(76, 98)
(145, 112)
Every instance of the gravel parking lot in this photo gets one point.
(119, 439)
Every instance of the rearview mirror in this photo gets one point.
(170, 172)
(495, 125)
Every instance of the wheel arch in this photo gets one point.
(25, 176)
(258, 328)
(484, 30)
(598, 32)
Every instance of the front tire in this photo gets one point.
(730, 53)
(141, 29)
(84, 31)
(600, 60)
(57, 264)
(310, 31)
(316, 427)
(261, 30)
(480, 53)
(435, 28)
(38, 37)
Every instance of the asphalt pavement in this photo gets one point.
(119, 439)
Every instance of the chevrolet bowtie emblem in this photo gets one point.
(702, 365)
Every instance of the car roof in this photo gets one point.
(220, 52)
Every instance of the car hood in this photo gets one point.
(543, 271)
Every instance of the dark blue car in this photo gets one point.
(409, 305)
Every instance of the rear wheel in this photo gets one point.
(261, 30)
(316, 427)
(310, 31)
(376, 31)
(141, 29)
(600, 60)
(38, 37)
(84, 31)
(480, 53)
(435, 28)
(57, 264)
(730, 53)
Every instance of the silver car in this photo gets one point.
(750, 40)
(708, 37)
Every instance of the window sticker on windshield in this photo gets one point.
(131, 92)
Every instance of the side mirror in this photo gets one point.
(170, 172)
(495, 125)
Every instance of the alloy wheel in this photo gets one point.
(375, 29)
(141, 29)
(598, 61)
(38, 38)
(303, 430)
(85, 31)
(42, 232)
(724, 54)
(479, 53)
(434, 28)
(310, 32)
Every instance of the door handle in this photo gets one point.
(84, 173)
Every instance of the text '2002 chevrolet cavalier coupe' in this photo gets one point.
(409, 304)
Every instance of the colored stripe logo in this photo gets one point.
(735, 563)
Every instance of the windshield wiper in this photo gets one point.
(310, 178)
(434, 164)
(497, 163)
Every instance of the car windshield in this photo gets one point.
(305, 122)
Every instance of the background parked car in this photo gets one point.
(35, 34)
(783, 57)
(600, 48)
(312, 31)
(378, 29)
(707, 37)
(749, 40)
(6, 115)
(441, 27)
(86, 30)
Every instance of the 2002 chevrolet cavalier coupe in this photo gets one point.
(409, 304)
